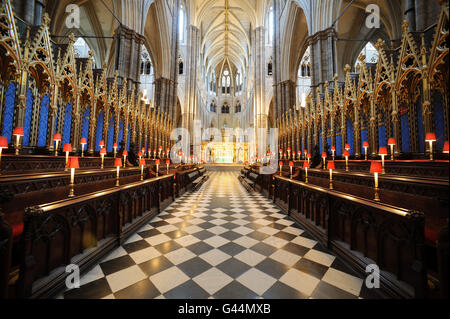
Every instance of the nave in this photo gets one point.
(224, 243)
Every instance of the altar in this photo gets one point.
(224, 152)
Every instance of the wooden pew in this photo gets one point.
(39, 163)
(438, 169)
(427, 195)
(362, 232)
(37, 189)
(82, 230)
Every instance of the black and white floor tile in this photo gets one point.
(221, 242)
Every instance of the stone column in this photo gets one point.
(128, 44)
(323, 57)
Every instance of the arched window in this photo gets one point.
(180, 66)
(181, 21)
(370, 52)
(81, 49)
(148, 68)
(270, 26)
(270, 69)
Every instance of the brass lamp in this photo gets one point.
(445, 149)
(72, 164)
(118, 165)
(3, 144)
(331, 167)
(333, 151)
(102, 155)
(83, 142)
(376, 168)
(365, 146)
(291, 165)
(142, 164)
(382, 152)
(167, 164)
(124, 154)
(157, 163)
(430, 138)
(67, 149)
(391, 143)
(18, 133)
(324, 158)
(57, 140)
(281, 167)
(346, 155)
(115, 149)
(306, 166)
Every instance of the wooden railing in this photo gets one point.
(361, 231)
(82, 230)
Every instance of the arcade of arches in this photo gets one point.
(224, 148)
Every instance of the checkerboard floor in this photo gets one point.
(221, 242)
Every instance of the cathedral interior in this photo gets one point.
(224, 149)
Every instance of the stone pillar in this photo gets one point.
(260, 84)
(323, 57)
(128, 44)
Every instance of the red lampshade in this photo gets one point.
(103, 151)
(430, 137)
(306, 165)
(125, 153)
(140, 154)
(102, 143)
(391, 141)
(308, 155)
(445, 149)
(280, 163)
(347, 146)
(160, 147)
(330, 165)
(167, 150)
(115, 145)
(346, 153)
(305, 151)
(324, 155)
(382, 151)
(291, 164)
(366, 144)
(281, 151)
(375, 167)
(180, 153)
(143, 150)
(288, 149)
(333, 148)
(118, 162)
(57, 137)
(157, 162)
(154, 151)
(168, 162)
(73, 163)
(67, 148)
(142, 162)
(19, 131)
(149, 150)
(4, 142)
(83, 141)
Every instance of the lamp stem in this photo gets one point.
(306, 175)
(72, 182)
(431, 150)
(56, 148)
(103, 157)
(331, 179)
(382, 163)
(17, 144)
(377, 196)
(118, 176)
(142, 172)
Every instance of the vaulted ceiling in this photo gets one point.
(225, 27)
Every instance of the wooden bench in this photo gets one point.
(82, 230)
(197, 178)
(362, 232)
(249, 180)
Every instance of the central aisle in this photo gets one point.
(220, 242)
